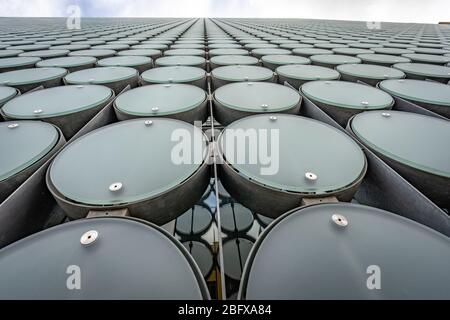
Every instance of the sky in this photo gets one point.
(428, 11)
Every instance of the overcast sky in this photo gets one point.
(431, 11)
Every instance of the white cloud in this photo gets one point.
(431, 11)
(32, 8)
(153, 8)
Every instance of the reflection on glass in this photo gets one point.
(197, 230)
(235, 254)
(240, 228)
(203, 255)
(236, 218)
(195, 222)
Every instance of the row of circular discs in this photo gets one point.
(428, 94)
(75, 56)
(314, 160)
(335, 233)
(96, 156)
(117, 72)
(232, 102)
(431, 95)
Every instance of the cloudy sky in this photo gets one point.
(431, 11)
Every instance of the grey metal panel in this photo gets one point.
(193, 188)
(200, 113)
(103, 118)
(28, 209)
(384, 188)
(72, 123)
(174, 202)
(333, 265)
(310, 110)
(403, 105)
(174, 275)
